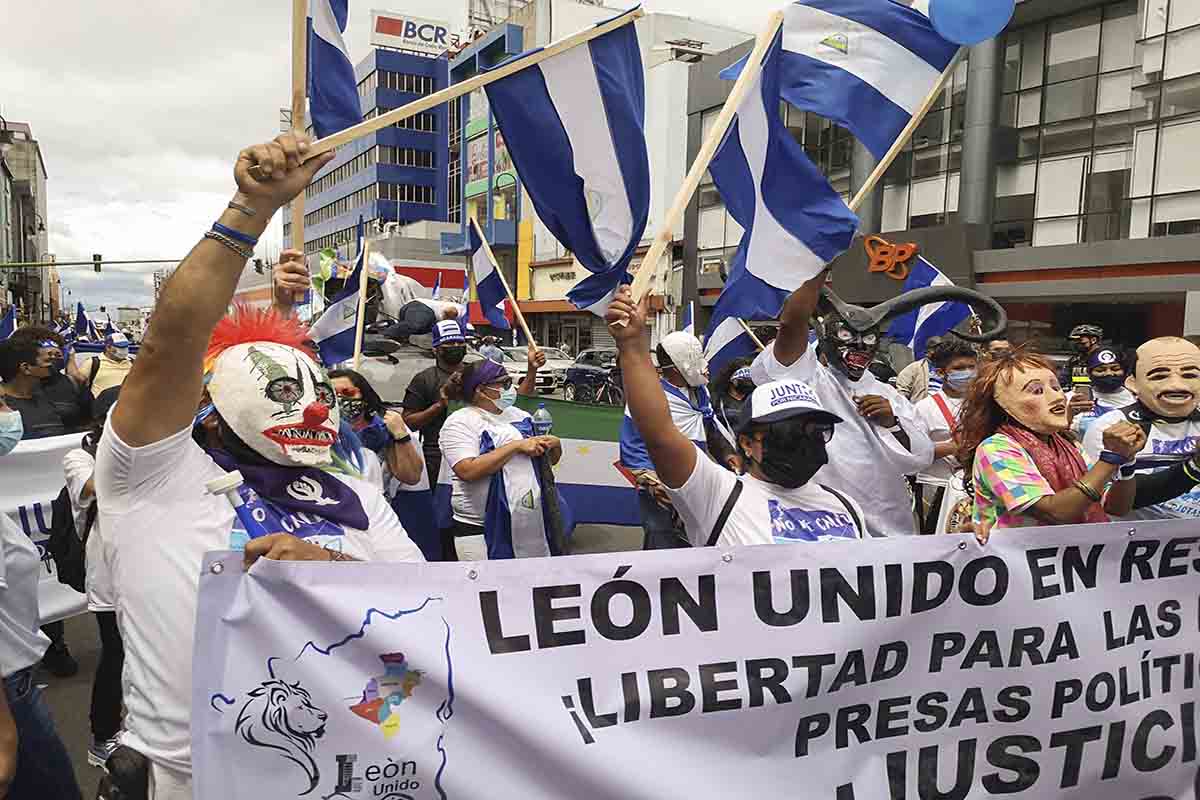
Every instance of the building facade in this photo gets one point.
(1054, 173)
(395, 176)
(24, 219)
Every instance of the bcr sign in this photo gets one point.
(411, 33)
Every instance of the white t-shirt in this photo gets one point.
(764, 513)
(1104, 403)
(78, 467)
(160, 522)
(866, 461)
(939, 430)
(459, 441)
(1167, 445)
(22, 642)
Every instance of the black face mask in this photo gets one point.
(352, 408)
(453, 355)
(791, 454)
(1109, 383)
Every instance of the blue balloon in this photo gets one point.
(969, 22)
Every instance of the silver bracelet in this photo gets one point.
(236, 247)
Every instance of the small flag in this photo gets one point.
(337, 328)
(794, 221)
(867, 66)
(574, 126)
(916, 327)
(689, 318)
(332, 88)
(93, 333)
(437, 287)
(8, 323)
(727, 341)
(487, 282)
(109, 328)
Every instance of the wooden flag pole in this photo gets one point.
(885, 163)
(749, 332)
(649, 268)
(362, 301)
(469, 85)
(487, 249)
(299, 94)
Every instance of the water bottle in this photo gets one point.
(543, 423)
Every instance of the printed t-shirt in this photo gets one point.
(866, 461)
(159, 523)
(765, 513)
(460, 441)
(1167, 444)
(22, 642)
(1007, 483)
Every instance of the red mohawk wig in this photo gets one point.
(248, 324)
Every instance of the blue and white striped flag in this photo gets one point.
(437, 287)
(81, 321)
(727, 341)
(916, 327)
(689, 318)
(574, 125)
(794, 221)
(93, 332)
(867, 65)
(487, 282)
(8, 324)
(337, 328)
(109, 328)
(332, 89)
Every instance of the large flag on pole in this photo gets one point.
(794, 221)
(487, 282)
(866, 64)
(335, 331)
(8, 324)
(689, 318)
(332, 89)
(916, 327)
(726, 341)
(574, 125)
(81, 321)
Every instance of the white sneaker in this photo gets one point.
(99, 752)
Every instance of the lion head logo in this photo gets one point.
(281, 716)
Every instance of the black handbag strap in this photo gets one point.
(862, 531)
(719, 526)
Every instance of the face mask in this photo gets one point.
(791, 455)
(278, 401)
(960, 378)
(1109, 383)
(12, 428)
(353, 408)
(120, 353)
(848, 351)
(453, 355)
(506, 399)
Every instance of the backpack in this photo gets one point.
(64, 544)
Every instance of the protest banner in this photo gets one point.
(1051, 663)
(31, 476)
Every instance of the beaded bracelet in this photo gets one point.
(221, 238)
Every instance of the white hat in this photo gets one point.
(778, 400)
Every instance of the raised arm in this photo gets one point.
(673, 454)
(160, 395)
(536, 360)
(792, 341)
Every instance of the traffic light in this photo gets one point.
(97, 260)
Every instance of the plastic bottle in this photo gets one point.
(543, 423)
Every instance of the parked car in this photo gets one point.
(589, 375)
(515, 365)
(557, 364)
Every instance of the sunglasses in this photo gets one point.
(504, 384)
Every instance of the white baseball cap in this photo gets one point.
(778, 400)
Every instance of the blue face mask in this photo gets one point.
(506, 398)
(12, 428)
(960, 378)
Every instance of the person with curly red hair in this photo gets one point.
(276, 422)
(1026, 468)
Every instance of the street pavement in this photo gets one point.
(70, 698)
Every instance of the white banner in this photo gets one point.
(31, 476)
(1052, 663)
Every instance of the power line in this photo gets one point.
(20, 264)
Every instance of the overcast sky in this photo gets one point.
(141, 108)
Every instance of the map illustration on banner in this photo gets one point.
(1051, 664)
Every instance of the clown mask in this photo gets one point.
(1167, 377)
(278, 401)
(1032, 396)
